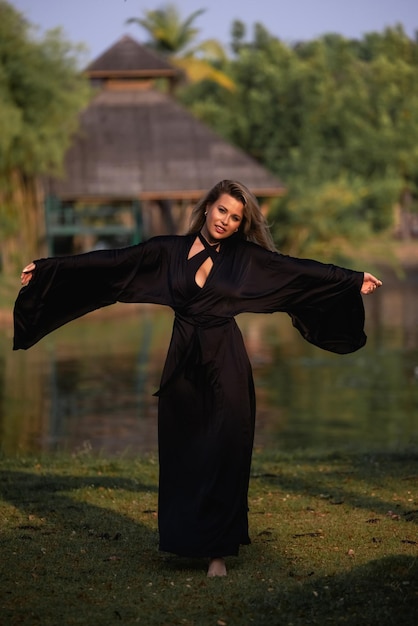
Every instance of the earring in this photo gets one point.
(206, 213)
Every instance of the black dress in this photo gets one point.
(206, 397)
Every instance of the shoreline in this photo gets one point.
(119, 309)
(398, 264)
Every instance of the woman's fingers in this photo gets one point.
(370, 283)
(26, 274)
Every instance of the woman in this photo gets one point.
(225, 265)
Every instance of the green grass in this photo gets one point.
(335, 541)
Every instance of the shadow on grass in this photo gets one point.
(381, 593)
(51, 501)
(370, 482)
(67, 541)
(84, 550)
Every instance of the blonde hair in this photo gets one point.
(253, 226)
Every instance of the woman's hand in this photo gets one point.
(370, 284)
(26, 275)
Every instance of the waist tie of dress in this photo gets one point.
(200, 350)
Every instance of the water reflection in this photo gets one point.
(89, 386)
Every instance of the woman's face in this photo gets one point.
(223, 218)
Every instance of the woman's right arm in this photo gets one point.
(60, 289)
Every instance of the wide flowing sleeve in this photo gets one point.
(323, 300)
(65, 288)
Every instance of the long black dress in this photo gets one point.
(206, 397)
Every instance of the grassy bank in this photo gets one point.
(334, 541)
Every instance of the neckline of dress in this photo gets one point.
(206, 243)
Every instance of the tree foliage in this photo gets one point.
(336, 119)
(175, 37)
(41, 93)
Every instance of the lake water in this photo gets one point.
(88, 387)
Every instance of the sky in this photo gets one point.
(100, 23)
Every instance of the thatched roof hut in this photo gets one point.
(137, 143)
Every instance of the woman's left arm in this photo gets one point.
(324, 301)
(370, 284)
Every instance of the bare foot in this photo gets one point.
(217, 567)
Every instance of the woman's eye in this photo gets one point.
(221, 209)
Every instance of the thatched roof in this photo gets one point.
(136, 142)
(128, 58)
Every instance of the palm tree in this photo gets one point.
(169, 34)
(173, 37)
